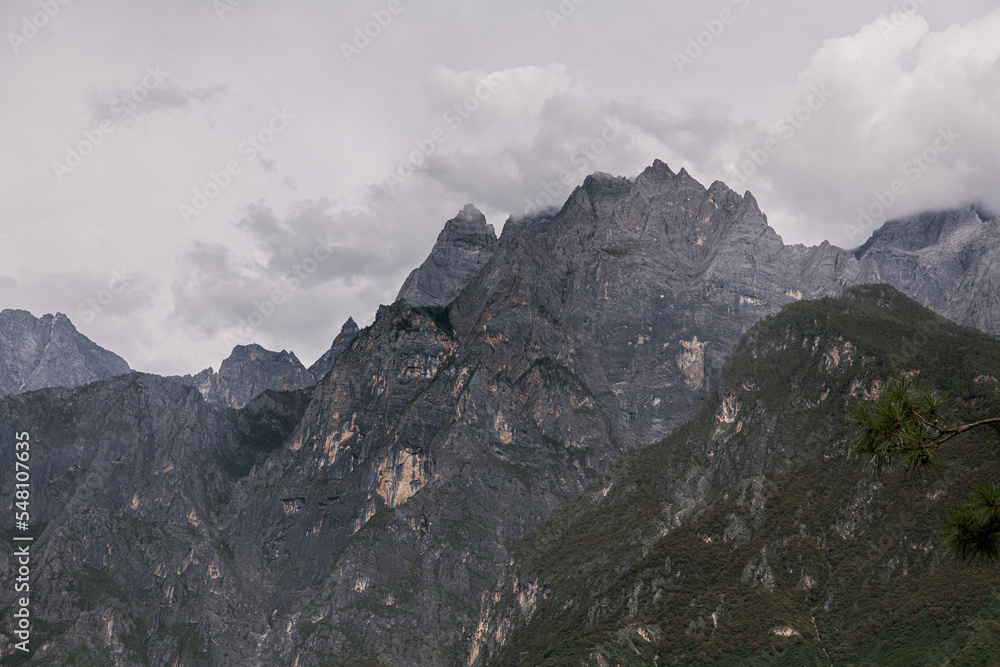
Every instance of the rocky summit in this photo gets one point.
(946, 260)
(248, 371)
(49, 352)
(385, 505)
(251, 370)
(322, 366)
(465, 244)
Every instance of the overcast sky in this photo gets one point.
(181, 177)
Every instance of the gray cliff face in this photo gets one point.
(443, 436)
(36, 353)
(413, 470)
(131, 482)
(247, 372)
(464, 245)
(251, 369)
(366, 518)
(640, 289)
(753, 534)
(949, 261)
(343, 340)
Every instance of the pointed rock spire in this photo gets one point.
(347, 334)
(464, 246)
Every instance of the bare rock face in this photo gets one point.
(640, 288)
(131, 480)
(343, 340)
(947, 260)
(36, 353)
(686, 546)
(247, 372)
(368, 518)
(251, 369)
(445, 434)
(464, 245)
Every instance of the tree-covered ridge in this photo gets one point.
(754, 535)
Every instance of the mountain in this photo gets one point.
(369, 519)
(247, 372)
(753, 536)
(251, 369)
(447, 434)
(347, 334)
(947, 260)
(36, 353)
(131, 483)
(464, 245)
(640, 288)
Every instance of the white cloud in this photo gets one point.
(535, 132)
(910, 108)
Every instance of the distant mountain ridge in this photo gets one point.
(48, 351)
(463, 247)
(248, 371)
(251, 370)
(947, 260)
(373, 517)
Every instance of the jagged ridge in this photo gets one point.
(36, 353)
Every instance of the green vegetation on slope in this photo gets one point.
(753, 536)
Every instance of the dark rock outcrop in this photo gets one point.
(343, 340)
(464, 245)
(366, 518)
(131, 483)
(36, 353)
(247, 372)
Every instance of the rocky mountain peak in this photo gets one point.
(36, 353)
(677, 213)
(469, 216)
(347, 334)
(401, 484)
(946, 260)
(916, 232)
(659, 170)
(465, 244)
(248, 371)
(252, 352)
